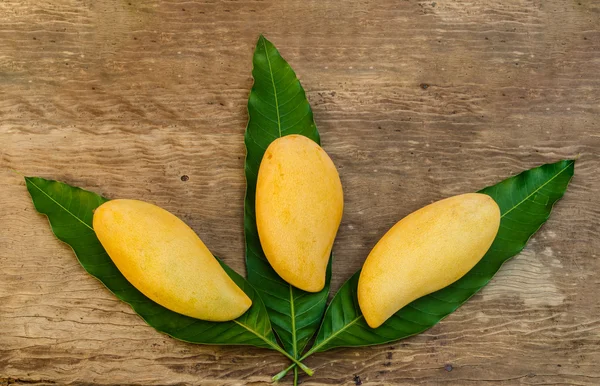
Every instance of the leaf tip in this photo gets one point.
(571, 163)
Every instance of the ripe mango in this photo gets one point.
(426, 251)
(165, 260)
(299, 205)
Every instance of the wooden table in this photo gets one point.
(415, 101)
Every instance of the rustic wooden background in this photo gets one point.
(415, 101)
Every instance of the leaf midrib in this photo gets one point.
(317, 347)
(273, 83)
(275, 347)
(261, 336)
(293, 316)
(537, 190)
(292, 308)
(57, 203)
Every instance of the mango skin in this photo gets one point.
(165, 260)
(299, 206)
(426, 251)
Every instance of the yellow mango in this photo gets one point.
(299, 205)
(165, 260)
(426, 251)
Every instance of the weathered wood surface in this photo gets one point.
(415, 101)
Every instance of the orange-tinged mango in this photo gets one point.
(426, 251)
(299, 205)
(165, 260)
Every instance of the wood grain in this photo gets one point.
(415, 101)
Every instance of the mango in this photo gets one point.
(299, 205)
(426, 251)
(165, 260)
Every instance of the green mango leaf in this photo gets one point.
(525, 202)
(277, 106)
(70, 212)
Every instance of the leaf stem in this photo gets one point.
(276, 347)
(304, 368)
(313, 349)
(295, 376)
(283, 373)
